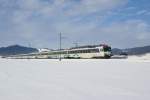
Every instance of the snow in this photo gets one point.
(100, 79)
(140, 57)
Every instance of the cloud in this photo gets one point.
(86, 21)
(86, 7)
(61, 7)
(141, 12)
(126, 34)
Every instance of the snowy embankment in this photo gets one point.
(140, 57)
(98, 79)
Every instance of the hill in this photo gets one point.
(16, 49)
(132, 51)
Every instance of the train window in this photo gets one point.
(84, 51)
(64, 52)
(72, 51)
(81, 51)
(75, 51)
(93, 51)
(78, 51)
(101, 49)
(96, 50)
(107, 49)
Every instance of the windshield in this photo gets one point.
(107, 49)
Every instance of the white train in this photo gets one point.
(82, 52)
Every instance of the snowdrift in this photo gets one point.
(140, 57)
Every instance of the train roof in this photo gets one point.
(81, 47)
(90, 46)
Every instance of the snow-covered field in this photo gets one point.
(112, 79)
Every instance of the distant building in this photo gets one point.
(44, 50)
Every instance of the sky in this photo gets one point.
(37, 23)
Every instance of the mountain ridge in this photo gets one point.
(16, 49)
(132, 51)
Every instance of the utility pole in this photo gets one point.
(60, 38)
(29, 45)
(76, 44)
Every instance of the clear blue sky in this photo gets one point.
(119, 23)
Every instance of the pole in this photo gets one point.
(76, 44)
(60, 46)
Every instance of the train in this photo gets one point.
(81, 52)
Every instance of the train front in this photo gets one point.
(107, 51)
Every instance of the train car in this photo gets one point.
(82, 52)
